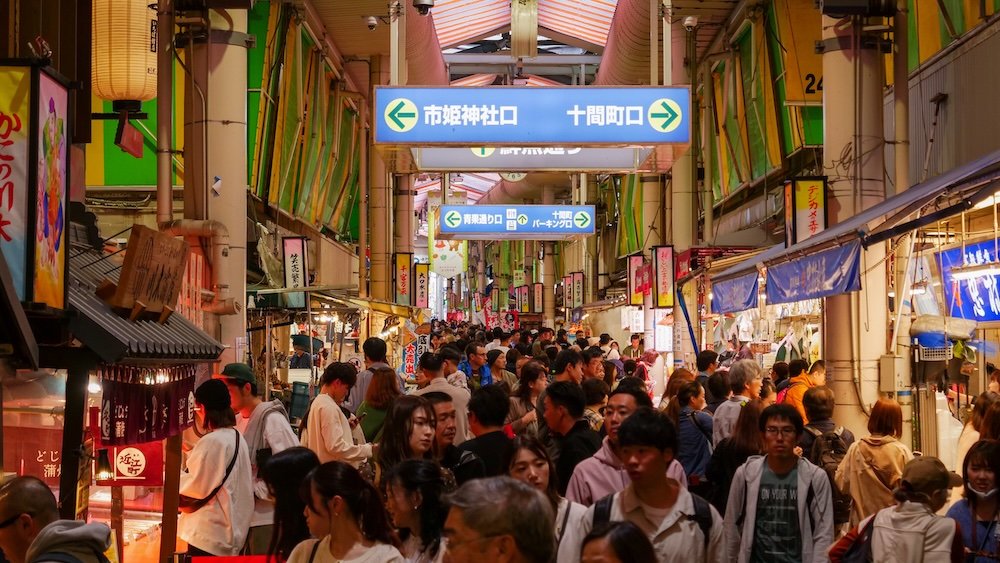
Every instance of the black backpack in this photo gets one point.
(828, 451)
(702, 514)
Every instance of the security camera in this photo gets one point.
(423, 6)
(690, 23)
(372, 22)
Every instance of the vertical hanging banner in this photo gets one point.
(634, 265)
(296, 269)
(448, 257)
(421, 285)
(519, 278)
(663, 276)
(15, 141)
(539, 291)
(51, 150)
(567, 292)
(495, 299)
(135, 413)
(577, 289)
(807, 196)
(404, 265)
(523, 293)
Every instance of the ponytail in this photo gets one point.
(374, 519)
(336, 478)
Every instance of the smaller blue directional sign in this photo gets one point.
(512, 115)
(534, 222)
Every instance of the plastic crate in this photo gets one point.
(925, 354)
(300, 400)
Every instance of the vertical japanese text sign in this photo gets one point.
(663, 276)
(807, 197)
(634, 264)
(539, 291)
(568, 293)
(404, 265)
(15, 138)
(296, 268)
(577, 289)
(421, 282)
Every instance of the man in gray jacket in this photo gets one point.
(780, 505)
(31, 532)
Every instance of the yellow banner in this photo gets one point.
(800, 26)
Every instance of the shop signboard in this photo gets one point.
(539, 294)
(577, 289)
(634, 265)
(735, 294)
(421, 285)
(448, 257)
(34, 182)
(567, 288)
(691, 259)
(153, 271)
(663, 276)
(504, 159)
(134, 412)
(525, 222)
(519, 278)
(821, 274)
(495, 300)
(522, 115)
(807, 215)
(135, 465)
(524, 297)
(403, 282)
(296, 269)
(977, 298)
(35, 451)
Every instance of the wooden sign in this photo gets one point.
(152, 273)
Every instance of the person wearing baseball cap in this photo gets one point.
(910, 530)
(265, 427)
(217, 481)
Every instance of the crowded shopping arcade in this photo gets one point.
(499, 281)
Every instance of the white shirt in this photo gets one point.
(379, 553)
(279, 436)
(571, 536)
(328, 433)
(220, 527)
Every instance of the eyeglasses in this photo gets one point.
(6, 523)
(785, 430)
(447, 543)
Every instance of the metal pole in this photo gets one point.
(164, 111)
(268, 354)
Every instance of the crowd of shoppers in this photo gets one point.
(541, 451)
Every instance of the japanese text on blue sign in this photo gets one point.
(542, 222)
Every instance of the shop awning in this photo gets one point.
(950, 193)
(115, 338)
(16, 332)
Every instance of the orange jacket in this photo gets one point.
(797, 388)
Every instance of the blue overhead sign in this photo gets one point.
(535, 222)
(530, 115)
(978, 298)
(822, 274)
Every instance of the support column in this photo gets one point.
(549, 271)
(403, 223)
(652, 217)
(378, 203)
(216, 152)
(854, 326)
(682, 203)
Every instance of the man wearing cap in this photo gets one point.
(301, 359)
(910, 530)
(266, 430)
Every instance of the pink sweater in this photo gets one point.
(603, 474)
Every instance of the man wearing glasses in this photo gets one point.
(499, 520)
(780, 505)
(30, 529)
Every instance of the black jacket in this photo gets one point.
(494, 448)
(577, 445)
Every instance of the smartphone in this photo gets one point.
(361, 416)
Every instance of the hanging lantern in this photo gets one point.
(124, 50)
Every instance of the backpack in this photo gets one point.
(702, 514)
(828, 450)
(784, 392)
(860, 550)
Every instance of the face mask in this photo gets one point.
(980, 495)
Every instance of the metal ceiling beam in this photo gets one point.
(503, 59)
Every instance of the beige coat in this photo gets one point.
(871, 470)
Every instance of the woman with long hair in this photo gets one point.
(283, 473)
(679, 378)
(694, 435)
(522, 416)
(384, 389)
(977, 514)
(413, 498)
(530, 463)
(408, 434)
(732, 452)
(873, 466)
(346, 513)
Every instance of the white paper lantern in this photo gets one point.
(124, 50)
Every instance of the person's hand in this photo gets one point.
(260, 489)
(354, 422)
(532, 416)
(798, 451)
